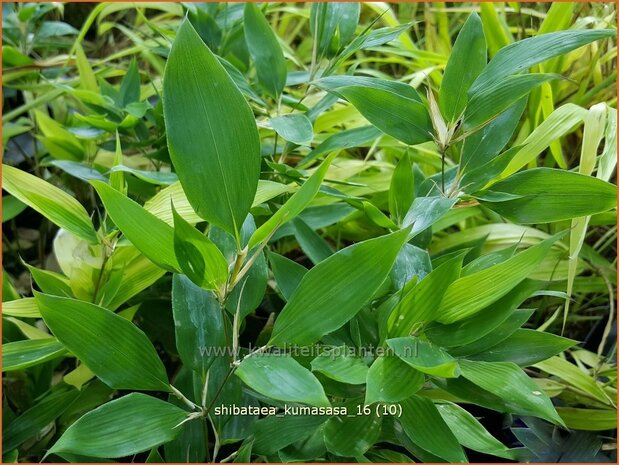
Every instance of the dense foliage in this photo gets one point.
(309, 232)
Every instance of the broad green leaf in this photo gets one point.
(336, 289)
(30, 331)
(198, 257)
(126, 426)
(471, 433)
(23, 354)
(310, 448)
(484, 105)
(293, 206)
(587, 419)
(349, 138)
(410, 262)
(467, 60)
(424, 425)
(425, 211)
(147, 233)
(573, 375)
(508, 382)
(479, 325)
(497, 335)
(273, 433)
(288, 274)
(311, 243)
(421, 303)
(561, 121)
(265, 51)
(51, 282)
(294, 127)
(11, 207)
(469, 294)
(130, 86)
(153, 177)
(547, 195)
(391, 380)
(211, 132)
(161, 204)
(50, 201)
(521, 55)
(401, 189)
(20, 308)
(525, 347)
(36, 418)
(113, 348)
(341, 367)
(352, 436)
(393, 107)
(282, 378)
(332, 25)
(424, 356)
(198, 323)
(368, 39)
(88, 80)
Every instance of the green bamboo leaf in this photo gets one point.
(469, 294)
(525, 347)
(293, 206)
(352, 436)
(11, 207)
(265, 51)
(288, 274)
(425, 211)
(273, 433)
(497, 335)
(466, 62)
(588, 419)
(560, 122)
(198, 322)
(20, 308)
(424, 356)
(126, 426)
(393, 107)
(198, 257)
(130, 86)
(340, 367)
(332, 25)
(51, 202)
(23, 354)
(311, 243)
(36, 418)
(411, 261)
(391, 380)
(471, 433)
(336, 289)
(523, 54)
(356, 137)
(574, 376)
(147, 233)
(507, 381)
(401, 189)
(468, 330)
(294, 127)
(51, 282)
(547, 195)
(486, 104)
(421, 303)
(424, 425)
(282, 378)
(211, 132)
(112, 347)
